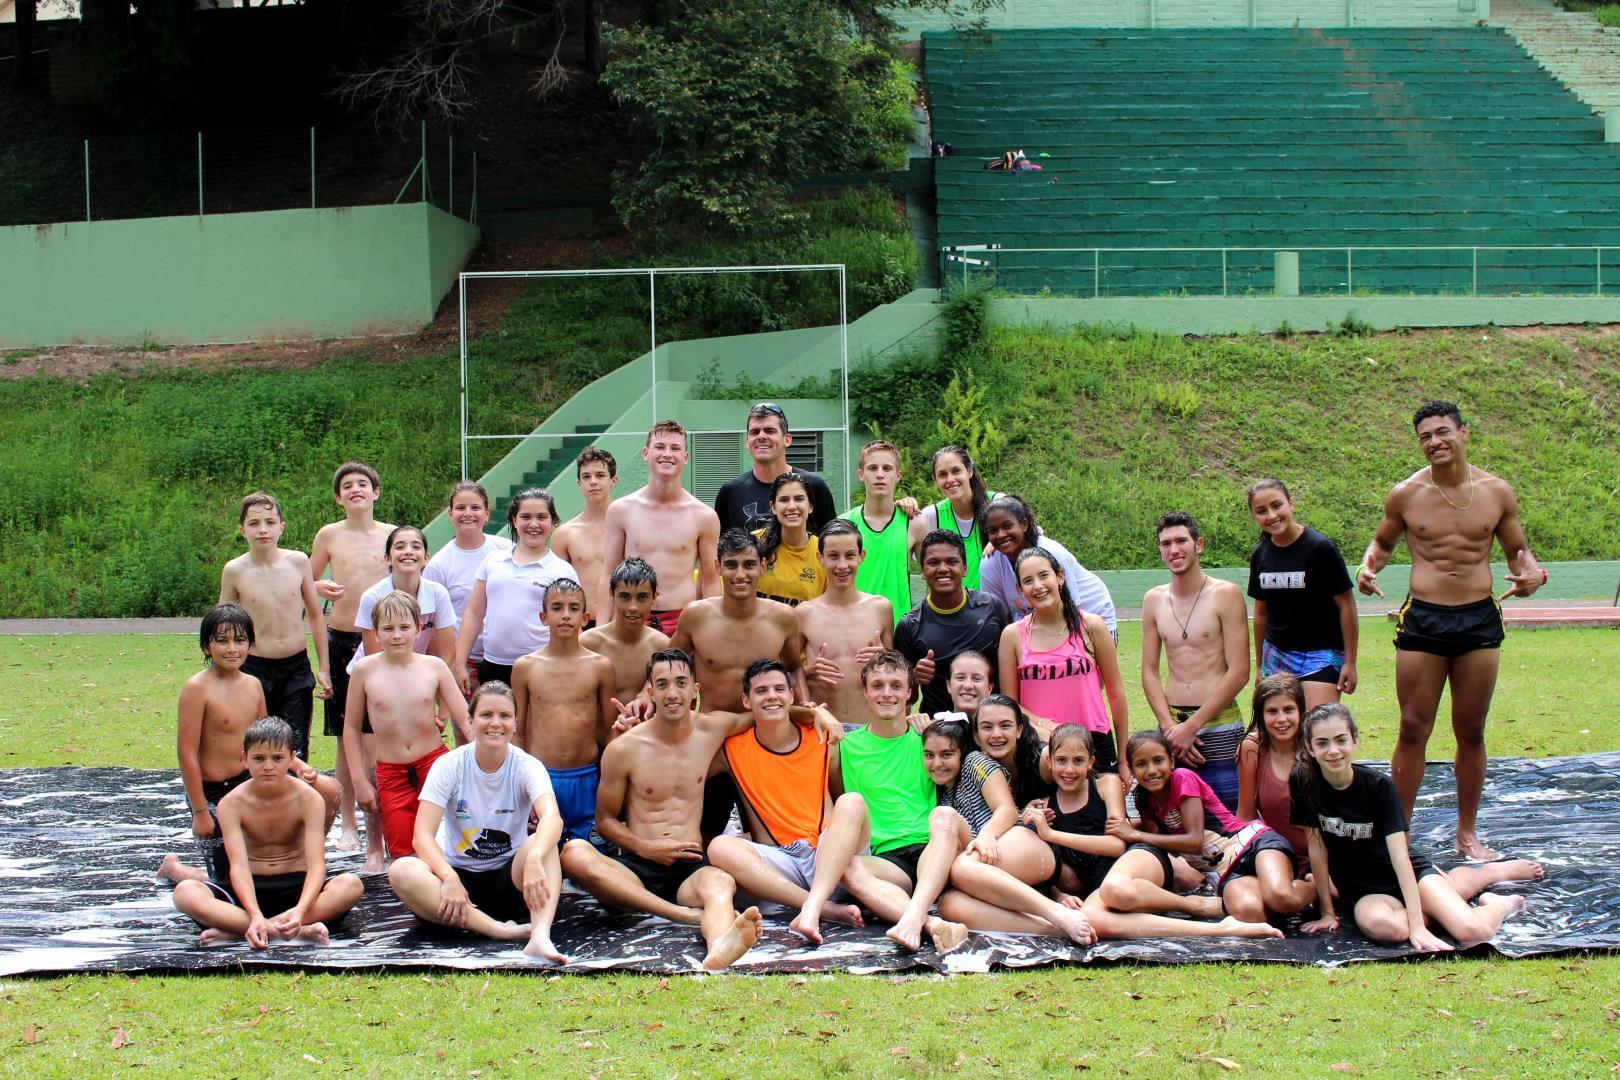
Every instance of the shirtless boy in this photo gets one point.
(578, 541)
(665, 525)
(565, 708)
(275, 587)
(407, 695)
(726, 633)
(274, 830)
(843, 628)
(649, 805)
(353, 550)
(1202, 624)
(1450, 627)
(217, 705)
(628, 641)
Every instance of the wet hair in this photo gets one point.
(349, 468)
(1138, 740)
(592, 455)
(560, 585)
(734, 541)
(399, 602)
(975, 482)
(667, 427)
(1281, 684)
(1174, 518)
(948, 537)
(957, 731)
(259, 498)
(876, 446)
(1018, 508)
(271, 731)
(1027, 782)
(633, 571)
(1261, 485)
(1071, 613)
(388, 545)
(1305, 780)
(524, 496)
(773, 529)
(224, 615)
(1064, 734)
(888, 660)
(671, 656)
(1438, 408)
(468, 485)
(760, 667)
(841, 527)
(492, 688)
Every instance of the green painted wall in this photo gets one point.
(229, 277)
(1218, 13)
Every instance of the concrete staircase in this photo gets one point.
(1574, 47)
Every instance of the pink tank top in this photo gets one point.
(1275, 805)
(1061, 684)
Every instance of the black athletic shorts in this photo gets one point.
(275, 893)
(1105, 755)
(1447, 630)
(1088, 868)
(215, 861)
(662, 881)
(1164, 861)
(289, 692)
(490, 671)
(1244, 864)
(340, 649)
(906, 858)
(493, 893)
(1353, 886)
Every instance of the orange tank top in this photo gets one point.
(787, 792)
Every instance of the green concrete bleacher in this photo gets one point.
(1269, 139)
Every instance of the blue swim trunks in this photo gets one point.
(576, 800)
(1309, 665)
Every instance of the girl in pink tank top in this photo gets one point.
(1059, 662)
(1270, 745)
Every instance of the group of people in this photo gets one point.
(685, 709)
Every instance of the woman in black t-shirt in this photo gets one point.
(1359, 841)
(1305, 622)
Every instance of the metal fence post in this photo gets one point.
(424, 162)
(1475, 289)
(1096, 273)
(87, 180)
(199, 175)
(472, 208)
(1600, 271)
(1223, 250)
(312, 166)
(450, 169)
(1349, 271)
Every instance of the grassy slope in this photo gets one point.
(1160, 422)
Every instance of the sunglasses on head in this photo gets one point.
(770, 408)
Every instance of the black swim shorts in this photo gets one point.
(289, 692)
(662, 881)
(1449, 630)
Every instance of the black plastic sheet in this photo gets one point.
(78, 892)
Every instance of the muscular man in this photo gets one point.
(728, 632)
(744, 502)
(649, 805)
(1202, 625)
(1450, 626)
(665, 525)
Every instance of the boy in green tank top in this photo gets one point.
(886, 568)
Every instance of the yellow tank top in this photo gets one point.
(794, 575)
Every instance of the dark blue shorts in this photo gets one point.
(575, 790)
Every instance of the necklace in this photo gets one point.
(1443, 494)
(1201, 587)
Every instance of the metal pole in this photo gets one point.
(1600, 271)
(652, 333)
(199, 175)
(87, 180)
(1223, 250)
(450, 169)
(312, 182)
(472, 209)
(1475, 252)
(463, 279)
(1349, 270)
(1096, 273)
(843, 351)
(424, 162)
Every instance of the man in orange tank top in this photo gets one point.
(780, 770)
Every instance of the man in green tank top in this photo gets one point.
(885, 569)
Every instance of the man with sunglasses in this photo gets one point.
(745, 501)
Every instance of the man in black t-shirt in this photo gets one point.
(950, 619)
(744, 502)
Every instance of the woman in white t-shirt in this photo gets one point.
(407, 555)
(476, 866)
(507, 589)
(455, 566)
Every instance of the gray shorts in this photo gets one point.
(796, 862)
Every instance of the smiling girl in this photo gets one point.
(406, 552)
(455, 566)
(1266, 756)
(1009, 524)
(960, 511)
(793, 573)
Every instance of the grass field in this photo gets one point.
(99, 700)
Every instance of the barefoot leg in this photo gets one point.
(975, 914)
(1470, 925)
(349, 838)
(739, 937)
(998, 887)
(337, 897)
(1136, 883)
(173, 869)
(540, 918)
(1419, 679)
(418, 888)
(846, 833)
(947, 835)
(1473, 682)
(196, 899)
(1470, 881)
(616, 886)
(1121, 925)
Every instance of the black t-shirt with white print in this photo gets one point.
(1354, 824)
(1298, 584)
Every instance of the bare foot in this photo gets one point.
(1074, 925)
(735, 941)
(313, 934)
(172, 868)
(847, 914)
(1514, 904)
(807, 926)
(1231, 927)
(946, 935)
(349, 838)
(373, 863)
(212, 936)
(1206, 907)
(907, 933)
(510, 931)
(1469, 846)
(541, 948)
(1514, 870)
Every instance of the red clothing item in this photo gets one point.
(398, 785)
(1276, 807)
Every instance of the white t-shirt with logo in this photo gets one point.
(512, 594)
(486, 815)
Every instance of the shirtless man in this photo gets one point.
(728, 632)
(665, 525)
(628, 641)
(1202, 624)
(578, 541)
(274, 585)
(1450, 627)
(565, 708)
(353, 549)
(842, 628)
(649, 805)
(217, 705)
(274, 835)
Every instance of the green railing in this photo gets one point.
(1246, 270)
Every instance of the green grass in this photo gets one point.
(1151, 422)
(1605, 13)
